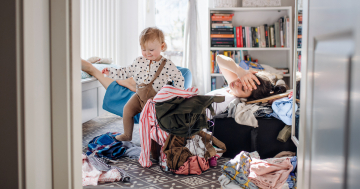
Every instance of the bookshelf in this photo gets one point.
(277, 57)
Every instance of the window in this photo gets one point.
(170, 17)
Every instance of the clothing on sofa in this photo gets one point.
(283, 108)
(263, 111)
(284, 134)
(244, 114)
(177, 115)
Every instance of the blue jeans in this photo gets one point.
(116, 96)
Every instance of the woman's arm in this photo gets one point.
(232, 72)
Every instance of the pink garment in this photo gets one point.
(270, 175)
(149, 129)
(91, 176)
(195, 169)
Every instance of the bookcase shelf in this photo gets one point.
(278, 57)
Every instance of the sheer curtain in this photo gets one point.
(193, 48)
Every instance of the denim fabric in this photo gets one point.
(106, 146)
(283, 108)
(262, 111)
(117, 96)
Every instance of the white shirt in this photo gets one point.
(220, 107)
(143, 72)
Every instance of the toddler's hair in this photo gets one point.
(150, 34)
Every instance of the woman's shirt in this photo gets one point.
(143, 72)
(220, 107)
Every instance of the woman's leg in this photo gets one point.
(90, 69)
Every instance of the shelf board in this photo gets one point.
(238, 9)
(286, 75)
(216, 74)
(298, 49)
(250, 48)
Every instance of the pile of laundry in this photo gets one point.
(192, 155)
(247, 170)
(102, 150)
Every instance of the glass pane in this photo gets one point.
(170, 17)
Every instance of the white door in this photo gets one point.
(332, 150)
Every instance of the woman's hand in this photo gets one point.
(248, 79)
(105, 71)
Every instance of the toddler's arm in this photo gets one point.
(174, 75)
(121, 73)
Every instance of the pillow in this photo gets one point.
(100, 67)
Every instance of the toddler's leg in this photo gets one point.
(131, 108)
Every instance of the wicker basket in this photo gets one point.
(225, 3)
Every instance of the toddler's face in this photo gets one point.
(152, 50)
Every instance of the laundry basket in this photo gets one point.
(225, 3)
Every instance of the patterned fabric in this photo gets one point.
(100, 67)
(106, 145)
(238, 170)
(149, 129)
(144, 72)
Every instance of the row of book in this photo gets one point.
(299, 34)
(223, 34)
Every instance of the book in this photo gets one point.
(238, 43)
(253, 36)
(250, 65)
(281, 32)
(267, 39)
(222, 29)
(222, 45)
(258, 37)
(235, 42)
(221, 39)
(250, 37)
(288, 32)
(244, 36)
(212, 62)
(221, 14)
(262, 37)
(222, 26)
(277, 34)
(222, 42)
(222, 35)
(222, 32)
(285, 30)
(221, 18)
(221, 22)
(213, 83)
(272, 37)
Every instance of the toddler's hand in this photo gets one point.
(105, 71)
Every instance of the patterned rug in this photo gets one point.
(153, 177)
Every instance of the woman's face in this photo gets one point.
(238, 89)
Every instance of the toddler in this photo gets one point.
(150, 71)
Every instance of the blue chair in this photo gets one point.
(116, 96)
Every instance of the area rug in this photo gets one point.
(153, 177)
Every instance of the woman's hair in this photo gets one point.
(151, 34)
(266, 87)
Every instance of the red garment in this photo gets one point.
(194, 162)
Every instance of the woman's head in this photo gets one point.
(265, 89)
(152, 42)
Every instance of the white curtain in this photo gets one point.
(192, 49)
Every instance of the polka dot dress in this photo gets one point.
(143, 73)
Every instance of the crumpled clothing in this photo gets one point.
(263, 111)
(270, 175)
(285, 154)
(210, 150)
(238, 169)
(244, 114)
(196, 146)
(91, 176)
(195, 165)
(175, 151)
(283, 108)
(227, 184)
(132, 151)
(232, 107)
(107, 146)
(254, 154)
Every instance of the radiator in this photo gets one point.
(100, 29)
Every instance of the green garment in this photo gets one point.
(185, 116)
